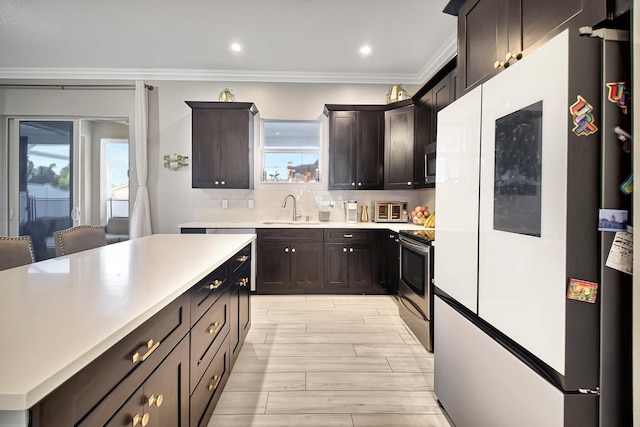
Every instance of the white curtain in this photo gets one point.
(141, 215)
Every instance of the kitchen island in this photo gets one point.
(62, 314)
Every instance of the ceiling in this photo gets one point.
(283, 40)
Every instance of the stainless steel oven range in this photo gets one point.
(415, 288)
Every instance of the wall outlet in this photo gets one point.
(250, 203)
(225, 204)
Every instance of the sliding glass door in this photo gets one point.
(43, 190)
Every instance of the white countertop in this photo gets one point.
(60, 314)
(393, 226)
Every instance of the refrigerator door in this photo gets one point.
(457, 179)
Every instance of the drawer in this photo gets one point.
(121, 369)
(287, 235)
(168, 382)
(208, 391)
(238, 261)
(206, 337)
(346, 235)
(207, 291)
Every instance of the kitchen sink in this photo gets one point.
(288, 222)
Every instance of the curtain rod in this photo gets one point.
(71, 87)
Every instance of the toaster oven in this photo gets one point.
(389, 212)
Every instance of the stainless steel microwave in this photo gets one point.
(389, 212)
(430, 164)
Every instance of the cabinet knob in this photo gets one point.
(157, 400)
(517, 56)
(142, 420)
(359, 184)
(409, 183)
(216, 182)
(353, 184)
(222, 182)
(344, 249)
(498, 64)
(350, 249)
(286, 250)
(293, 250)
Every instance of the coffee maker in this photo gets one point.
(351, 211)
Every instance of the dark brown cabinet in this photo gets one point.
(399, 148)
(356, 147)
(433, 97)
(289, 261)
(239, 308)
(388, 254)
(492, 34)
(348, 261)
(222, 140)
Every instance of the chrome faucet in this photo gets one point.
(294, 216)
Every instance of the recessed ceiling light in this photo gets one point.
(236, 47)
(365, 50)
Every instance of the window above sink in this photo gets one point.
(290, 151)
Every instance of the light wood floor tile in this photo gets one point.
(268, 327)
(332, 338)
(411, 364)
(252, 363)
(369, 381)
(356, 328)
(317, 350)
(351, 402)
(390, 350)
(279, 420)
(314, 316)
(383, 320)
(399, 420)
(266, 381)
(241, 402)
(256, 337)
(409, 338)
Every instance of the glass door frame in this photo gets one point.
(13, 168)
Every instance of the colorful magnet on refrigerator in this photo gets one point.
(583, 118)
(619, 94)
(627, 186)
(581, 290)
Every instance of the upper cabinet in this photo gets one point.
(356, 147)
(399, 142)
(222, 140)
(433, 97)
(493, 34)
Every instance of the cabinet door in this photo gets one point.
(398, 171)
(482, 40)
(370, 151)
(539, 17)
(234, 324)
(165, 391)
(244, 307)
(336, 266)
(274, 267)
(133, 409)
(342, 149)
(360, 267)
(205, 147)
(424, 135)
(442, 96)
(235, 137)
(306, 267)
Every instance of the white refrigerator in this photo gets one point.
(528, 321)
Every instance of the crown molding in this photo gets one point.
(444, 54)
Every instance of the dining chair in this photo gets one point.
(79, 238)
(15, 251)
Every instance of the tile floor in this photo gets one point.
(326, 361)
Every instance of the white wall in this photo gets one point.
(173, 201)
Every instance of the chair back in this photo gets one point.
(79, 238)
(15, 251)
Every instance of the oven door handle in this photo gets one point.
(422, 249)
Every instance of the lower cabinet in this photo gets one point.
(289, 261)
(161, 400)
(171, 370)
(348, 260)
